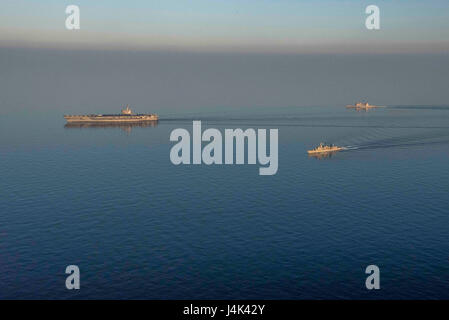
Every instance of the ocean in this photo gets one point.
(109, 200)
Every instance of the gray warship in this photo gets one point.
(126, 115)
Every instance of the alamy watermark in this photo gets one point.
(373, 280)
(72, 22)
(372, 22)
(212, 153)
(73, 280)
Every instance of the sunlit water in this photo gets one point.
(109, 200)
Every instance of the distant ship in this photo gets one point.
(322, 148)
(361, 106)
(125, 116)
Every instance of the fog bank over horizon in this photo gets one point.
(272, 26)
(70, 82)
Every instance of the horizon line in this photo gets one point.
(308, 49)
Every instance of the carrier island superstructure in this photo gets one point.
(126, 115)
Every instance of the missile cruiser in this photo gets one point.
(361, 106)
(126, 115)
(322, 148)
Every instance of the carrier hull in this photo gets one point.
(111, 118)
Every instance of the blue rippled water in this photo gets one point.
(109, 200)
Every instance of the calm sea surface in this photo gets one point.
(109, 200)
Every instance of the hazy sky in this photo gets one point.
(169, 55)
(326, 26)
(100, 81)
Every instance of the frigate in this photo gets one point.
(322, 148)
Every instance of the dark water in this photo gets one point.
(109, 200)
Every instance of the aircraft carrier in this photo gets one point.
(125, 116)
